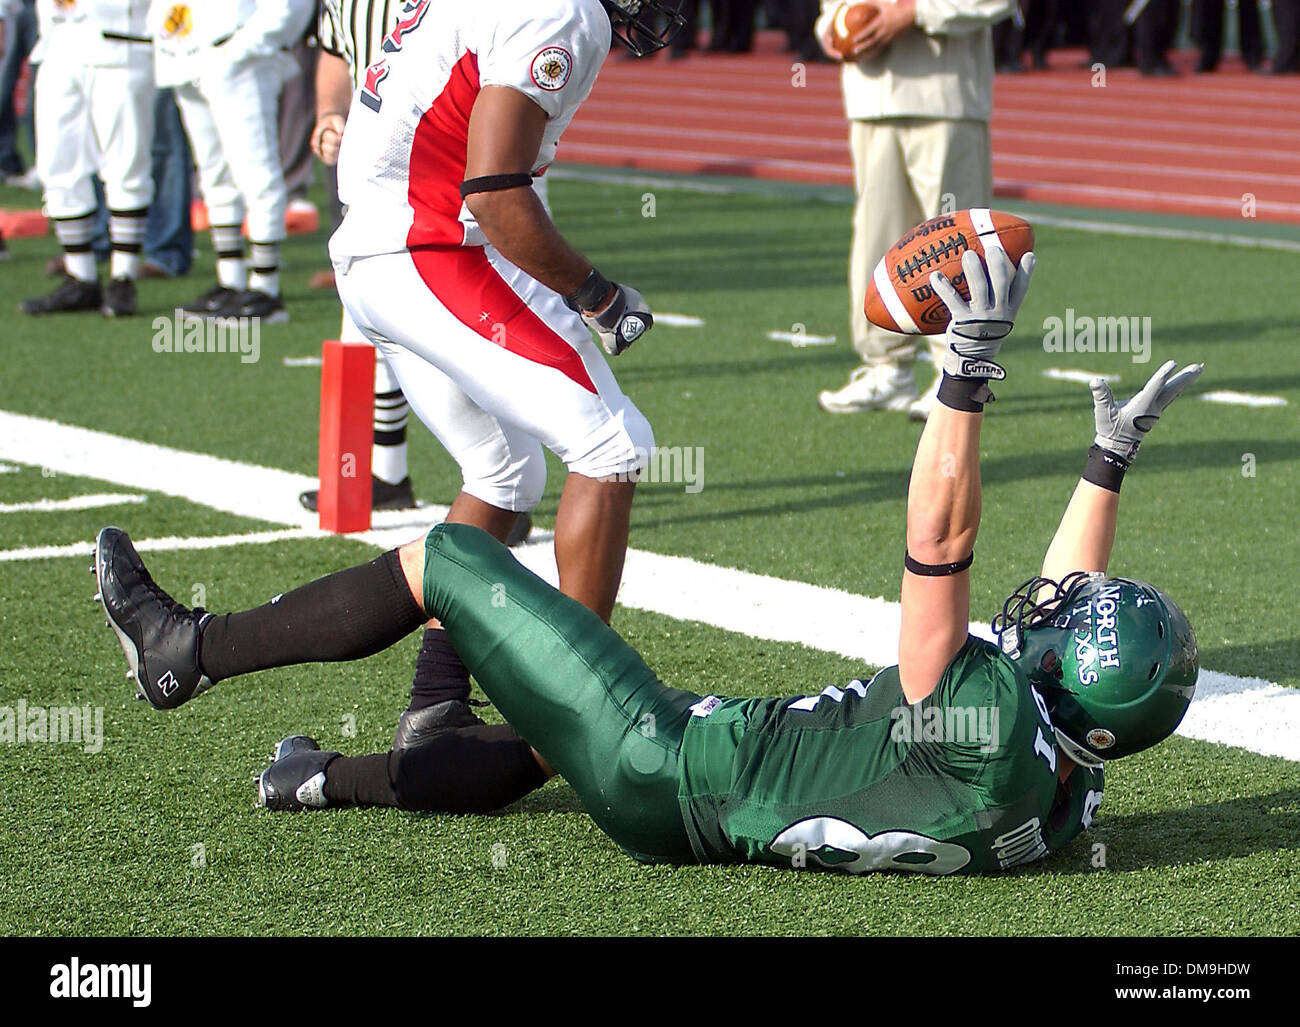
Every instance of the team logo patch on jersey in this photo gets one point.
(178, 22)
(551, 68)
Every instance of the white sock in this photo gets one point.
(81, 266)
(388, 455)
(264, 267)
(126, 232)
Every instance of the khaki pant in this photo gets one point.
(905, 171)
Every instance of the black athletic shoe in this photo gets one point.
(159, 636)
(208, 303)
(383, 496)
(417, 726)
(251, 303)
(119, 298)
(71, 294)
(295, 780)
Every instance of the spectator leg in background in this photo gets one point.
(1207, 32)
(685, 40)
(169, 237)
(1251, 40)
(1041, 20)
(19, 40)
(296, 120)
(1286, 22)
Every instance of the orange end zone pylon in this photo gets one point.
(347, 385)
(23, 224)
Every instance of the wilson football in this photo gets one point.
(899, 296)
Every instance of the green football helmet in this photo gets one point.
(1114, 659)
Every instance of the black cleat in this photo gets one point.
(209, 303)
(295, 780)
(159, 636)
(252, 303)
(383, 496)
(119, 298)
(288, 746)
(71, 294)
(415, 727)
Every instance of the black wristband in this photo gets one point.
(493, 183)
(965, 394)
(1105, 469)
(936, 570)
(591, 293)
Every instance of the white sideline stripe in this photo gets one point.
(1067, 375)
(1248, 712)
(168, 543)
(303, 362)
(9, 469)
(88, 502)
(1095, 227)
(801, 339)
(679, 320)
(1243, 399)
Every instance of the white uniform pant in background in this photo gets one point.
(230, 114)
(90, 121)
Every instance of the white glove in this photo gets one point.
(978, 327)
(1120, 429)
(623, 320)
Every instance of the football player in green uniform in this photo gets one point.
(967, 756)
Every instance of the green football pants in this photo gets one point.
(579, 694)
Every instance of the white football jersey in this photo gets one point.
(404, 148)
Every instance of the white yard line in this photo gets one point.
(1085, 377)
(1248, 712)
(89, 502)
(801, 339)
(1243, 399)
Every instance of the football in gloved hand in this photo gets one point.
(899, 296)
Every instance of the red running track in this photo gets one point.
(1192, 145)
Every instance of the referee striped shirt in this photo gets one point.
(355, 30)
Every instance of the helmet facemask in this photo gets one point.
(636, 26)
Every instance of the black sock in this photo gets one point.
(439, 672)
(344, 616)
(469, 770)
(360, 781)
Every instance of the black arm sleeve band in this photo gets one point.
(966, 394)
(936, 570)
(493, 183)
(1105, 469)
(591, 293)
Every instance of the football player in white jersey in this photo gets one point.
(94, 115)
(449, 263)
(226, 60)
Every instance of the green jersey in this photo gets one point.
(856, 779)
